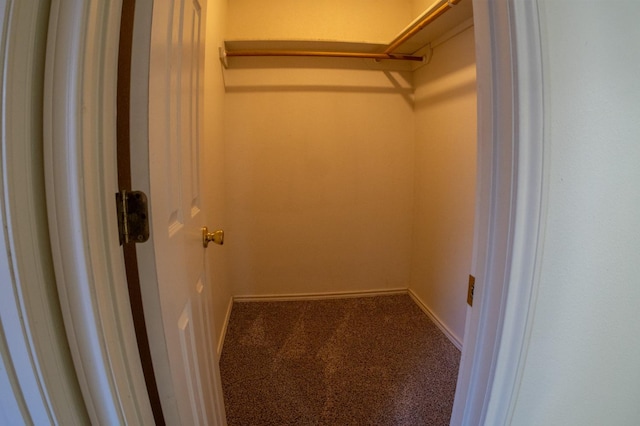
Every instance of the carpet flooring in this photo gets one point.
(356, 361)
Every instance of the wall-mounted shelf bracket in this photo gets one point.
(223, 57)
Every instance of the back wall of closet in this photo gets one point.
(341, 176)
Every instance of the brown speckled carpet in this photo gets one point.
(359, 361)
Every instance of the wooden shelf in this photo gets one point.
(442, 16)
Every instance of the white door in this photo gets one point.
(178, 309)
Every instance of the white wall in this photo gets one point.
(582, 364)
(445, 170)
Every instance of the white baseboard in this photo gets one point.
(225, 326)
(457, 342)
(318, 296)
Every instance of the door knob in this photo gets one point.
(215, 236)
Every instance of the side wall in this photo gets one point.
(582, 362)
(445, 180)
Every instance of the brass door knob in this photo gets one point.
(215, 236)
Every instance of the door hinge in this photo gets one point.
(472, 286)
(133, 216)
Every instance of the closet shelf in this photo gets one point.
(310, 48)
(402, 48)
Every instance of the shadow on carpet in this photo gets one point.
(358, 361)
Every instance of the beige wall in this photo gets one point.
(419, 6)
(353, 20)
(445, 173)
(319, 157)
(319, 181)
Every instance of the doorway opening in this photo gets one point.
(322, 186)
(495, 232)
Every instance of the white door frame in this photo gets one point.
(37, 378)
(81, 175)
(510, 210)
(80, 168)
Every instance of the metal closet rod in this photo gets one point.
(313, 53)
(433, 14)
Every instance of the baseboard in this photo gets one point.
(225, 326)
(457, 342)
(318, 296)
